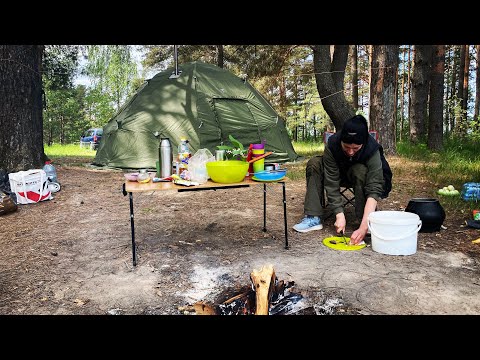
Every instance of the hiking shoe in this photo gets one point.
(309, 223)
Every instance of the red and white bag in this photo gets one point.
(30, 186)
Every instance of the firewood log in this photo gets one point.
(202, 308)
(263, 281)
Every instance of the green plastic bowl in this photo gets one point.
(227, 171)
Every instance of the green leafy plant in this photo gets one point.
(234, 152)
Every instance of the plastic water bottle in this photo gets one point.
(183, 156)
(50, 171)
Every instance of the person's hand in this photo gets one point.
(357, 236)
(340, 223)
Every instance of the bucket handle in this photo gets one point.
(419, 226)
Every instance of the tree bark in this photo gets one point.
(409, 84)
(460, 95)
(220, 56)
(448, 74)
(466, 72)
(477, 87)
(383, 90)
(21, 123)
(420, 86)
(435, 121)
(333, 99)
(339, 64)
(355, 77)
(456, 52)
(402, 101)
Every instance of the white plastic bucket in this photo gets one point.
(394, 232)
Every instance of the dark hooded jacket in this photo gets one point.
(336, 164)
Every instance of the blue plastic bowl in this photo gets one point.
(270, 175)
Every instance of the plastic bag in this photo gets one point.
(197, 165)
(30, 186)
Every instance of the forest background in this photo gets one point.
(421, 95)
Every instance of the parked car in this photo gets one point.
(91, 138)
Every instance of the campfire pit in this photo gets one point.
(265, 296)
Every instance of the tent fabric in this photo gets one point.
(204, 104)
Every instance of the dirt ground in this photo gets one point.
(73, 255)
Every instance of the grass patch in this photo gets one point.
(456, 164)
(306, 150)
(70, 154)
(70, 150)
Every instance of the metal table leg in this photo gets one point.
(285, 214)
(264, 207)
(132, 226)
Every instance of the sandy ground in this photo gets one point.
(73, 255)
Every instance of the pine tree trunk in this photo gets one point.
(448, 74)
(460, 96)
(21, 124)
(435, 121)
(420, 86)
(466, 72)
(456, 54)
(333, 100)
(477, 87)
(402, 101)
(383, 90)
(220, 56)
(355, 77)
(409, 83)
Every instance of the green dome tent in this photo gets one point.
(203, 103)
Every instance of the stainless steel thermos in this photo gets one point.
(165, 156)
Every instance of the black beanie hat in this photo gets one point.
(355, 130)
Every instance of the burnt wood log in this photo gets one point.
(202, 308)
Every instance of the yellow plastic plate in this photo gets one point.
(338, 243)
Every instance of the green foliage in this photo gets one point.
(98, 107)
(236, 151)
(474, 127)
(112, 70)
(59, 66)
(161, 56)
(63, 115)
(456, 164)
(64, 118)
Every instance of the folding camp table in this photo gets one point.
(129, 187)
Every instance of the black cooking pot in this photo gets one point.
(430, 212)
